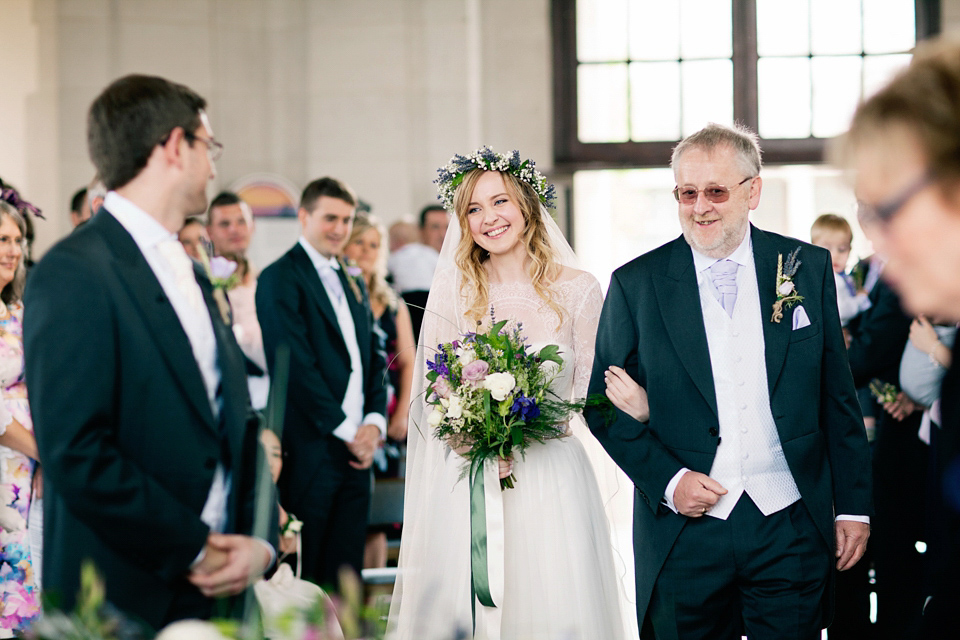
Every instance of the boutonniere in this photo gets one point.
(787, 295)
(222, 274)
(884, 392)
(354, 278)
(291, 527)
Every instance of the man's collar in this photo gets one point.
(318, 259)
(742, 255)
(144, 228)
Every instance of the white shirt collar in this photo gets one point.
(742, 255)
(146, 230)
(318, 259)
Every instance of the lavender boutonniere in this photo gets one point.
(223, 275)
(787, 295)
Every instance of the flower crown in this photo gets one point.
(489, 160)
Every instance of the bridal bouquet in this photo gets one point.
(491, 392)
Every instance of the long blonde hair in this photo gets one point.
(377, 287)
(469, 258)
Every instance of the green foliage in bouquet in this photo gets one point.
(491, 395)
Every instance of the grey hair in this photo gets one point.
(13, 292)
(742, 140)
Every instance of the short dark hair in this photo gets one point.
(76, 202)
(426, 210)
(330, 187)
(222, 199)
(132, 116)
(190, 221)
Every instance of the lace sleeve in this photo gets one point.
(585, 333)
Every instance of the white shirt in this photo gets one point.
(412, 267)
(353, 399)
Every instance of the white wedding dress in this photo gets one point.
(551, 562)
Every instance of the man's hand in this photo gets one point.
(364, 445)
(851, 542)
(696, 493)
(245, 560)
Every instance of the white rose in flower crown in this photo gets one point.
(499, 385)
(435, 417)
(466, 356)
(454, 407)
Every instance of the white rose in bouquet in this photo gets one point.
(499, 385)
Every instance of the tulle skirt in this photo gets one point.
(559, 576)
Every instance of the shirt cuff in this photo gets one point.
(671, 487)
(347, 430)
(273, 552)
(379, 420)
(863, 519)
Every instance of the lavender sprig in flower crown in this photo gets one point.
(487, 159)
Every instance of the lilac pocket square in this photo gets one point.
(800, 319)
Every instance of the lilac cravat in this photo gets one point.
(724, 276)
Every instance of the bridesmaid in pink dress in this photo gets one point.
(20, 476)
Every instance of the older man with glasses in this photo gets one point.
(750, 460)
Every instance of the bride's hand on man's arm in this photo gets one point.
(626, 394)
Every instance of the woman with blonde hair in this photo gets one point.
(549, 555)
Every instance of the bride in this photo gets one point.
(550, 564)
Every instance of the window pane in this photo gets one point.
(601, 30)
(835, 26)
(878, 70)
(783, 97)
(836, 91)
(707, 93)
(602, 102)
(783, 28)
(706, 30)
(889, 26)
(654, 30)
(654, 101)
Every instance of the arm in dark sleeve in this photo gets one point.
(634, 446)
(280, 310)
(840, 417)
(878, 338)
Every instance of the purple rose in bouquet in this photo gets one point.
(476, 371)
(441, 387)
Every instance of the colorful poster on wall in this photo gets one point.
(269, 195)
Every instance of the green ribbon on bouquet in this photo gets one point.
(478, 539)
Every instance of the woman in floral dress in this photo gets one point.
(20, 477)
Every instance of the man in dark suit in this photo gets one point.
(753, 438)
(337, 398)
(136, 384)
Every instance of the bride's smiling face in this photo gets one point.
(494, 216)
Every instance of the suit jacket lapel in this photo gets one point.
(360, 320)
(157, 313)
(776, 336)
(678, 297)
(314, 286)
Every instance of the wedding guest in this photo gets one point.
(336, 402)
(21, 478)
(751, 465)
(412, 265)
(401, 234)
(834, 234)
(904, 150)
(365, 249)
(136, 383)
(230, 227)
(274, 454)
(79, 207)
(192, 235)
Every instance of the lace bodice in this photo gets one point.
(575, 333)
